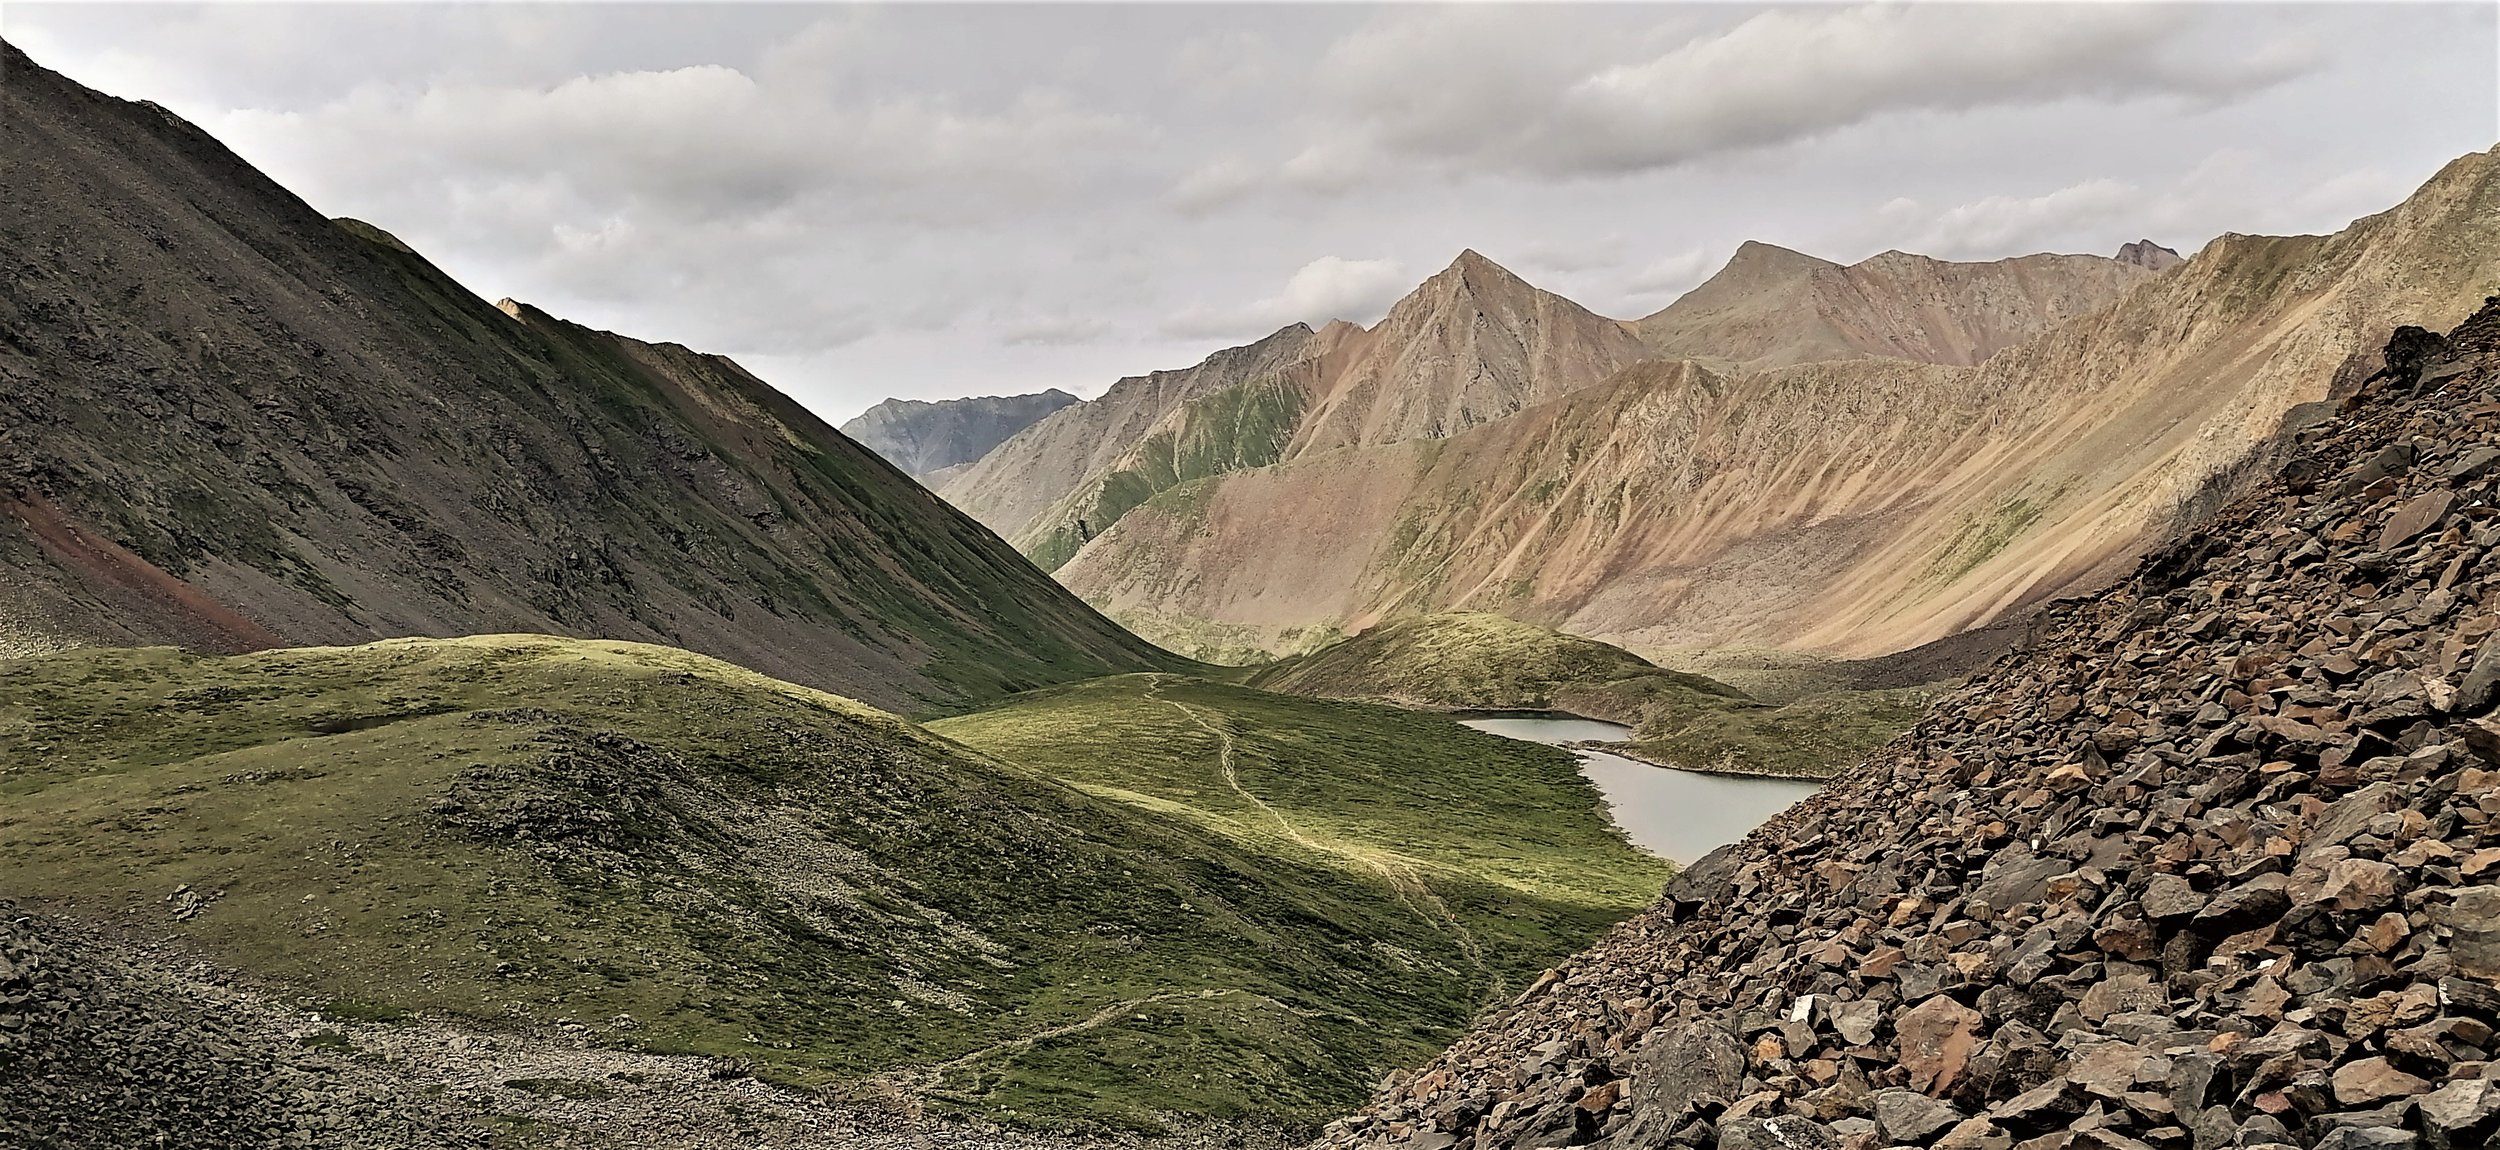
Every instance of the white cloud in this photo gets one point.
(1214, 184)
(1530, 105)
(1673, 275)
(1997, 226)
(1327, 288)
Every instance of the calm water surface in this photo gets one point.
(1673, 814)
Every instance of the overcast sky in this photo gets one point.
(943, 200)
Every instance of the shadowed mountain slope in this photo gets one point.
(924, 438)
(230, 423)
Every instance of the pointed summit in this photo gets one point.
(1472, 344)
(1471, 272)
(2147, 254)
(1756, 263)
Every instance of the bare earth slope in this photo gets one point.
(2209, 865)
(1770, 307)
(230, 423)
(1854, 508)
(923, 437)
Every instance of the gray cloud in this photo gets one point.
(1327, 288)
(1775, 78)
(933, 200)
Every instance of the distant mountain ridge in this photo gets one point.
(1045, 463)
(1850, 506)
(1474, 344)
(229, 423)
(1468, 346)
(1770, 307)
(924, 437)
(2147, 254)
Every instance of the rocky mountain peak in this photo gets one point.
(2147, 254)
(1470, 276)
(1757, 263)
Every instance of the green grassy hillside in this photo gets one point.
(1243, 426)
(1140, 897)
(1470, 661)
(1480, 661)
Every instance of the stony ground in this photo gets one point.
(110, 1044)
(2210, 863)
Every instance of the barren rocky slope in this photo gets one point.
(1854, 508)
(230, 423)
(2210, 864)
(923, 437)
(1468, 346)
(1771, 307)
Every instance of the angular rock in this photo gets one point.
(1934, 1041)
(2373, 1080)
(1909, 1116)
(1786, 1132)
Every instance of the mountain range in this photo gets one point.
(428, 722)
(1797, 454)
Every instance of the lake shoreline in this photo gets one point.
(1675, 814)
(1631, 751)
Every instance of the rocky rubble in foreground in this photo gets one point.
(107, 1043)
(2210, 863)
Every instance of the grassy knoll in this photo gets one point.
(1477, 661)
(1064, 925)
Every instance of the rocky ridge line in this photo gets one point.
(2209, 864)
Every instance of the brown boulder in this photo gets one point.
(1934, 1043)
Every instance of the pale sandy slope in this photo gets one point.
(1771, 307)
(1855, 507)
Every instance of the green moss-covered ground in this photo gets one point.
(1472, 661)
(1100, 904)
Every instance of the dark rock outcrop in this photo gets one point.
(2147, 254)
(2209, 864)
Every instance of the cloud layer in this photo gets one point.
(935, 200)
